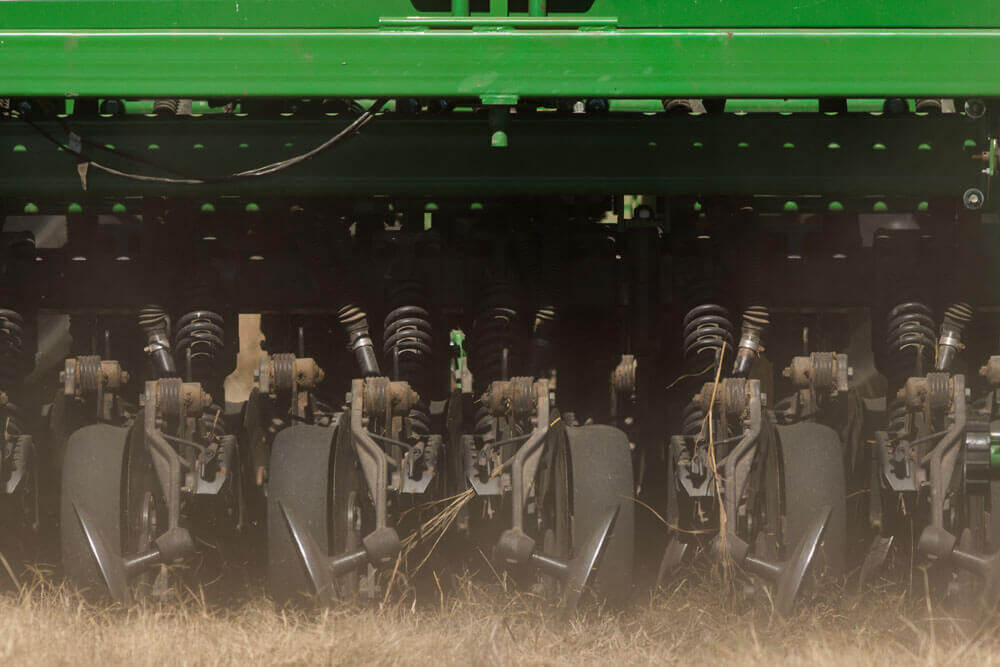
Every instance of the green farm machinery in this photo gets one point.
(522, 269)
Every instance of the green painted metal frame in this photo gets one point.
(527, 63)
(313, 14)
(500, 52)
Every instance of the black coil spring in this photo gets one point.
(12, 357)
(153, 318)
(352, 316)
(707, 329)
(911, 341)
(493, 333)
(957, 316)
(756, 319)
(408, 343)
(200, 335)
(408, 348)
(691, 419)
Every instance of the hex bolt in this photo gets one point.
(973, 199)
(975, 108)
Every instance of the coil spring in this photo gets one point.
(154, 319)
(12, 356)
(201, 332)
(544, 316)
(408, 338)
(166, 106)
(911, 340)
(493, 333)
(957, 316)
(352, 317)
(408, 347)
(707, 330)
(756, 319)
(691, 419)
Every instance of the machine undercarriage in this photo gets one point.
(474, 337)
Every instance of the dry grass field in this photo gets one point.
(479, 622)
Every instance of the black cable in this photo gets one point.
(264, 170)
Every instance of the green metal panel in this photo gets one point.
(798, 155)
(79, 14)
(600, 63)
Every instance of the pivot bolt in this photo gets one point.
(975, 109)
(973, 199)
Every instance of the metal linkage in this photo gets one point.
(820, 378)
(376, 404)
(287, 378)
(92, 379)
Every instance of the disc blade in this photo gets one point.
(793, 570)
(109, 562)
(313, 558)
(581, 567)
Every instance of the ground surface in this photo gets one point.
(691, 622)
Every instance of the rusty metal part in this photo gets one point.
(374, 461)
(823, 372)
(736, 465)
(516, 397)
(525, 463)
(731, 398)
(91, 375)
(944, 456)
(173, 398)
(935, 391)
(286, 373)
(385, 398)
(991, 371)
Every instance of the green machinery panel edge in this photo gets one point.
(313, 14)
(526, 63)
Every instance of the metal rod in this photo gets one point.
(459, 7)
(527, 450)
(537, 8)
(374, 461)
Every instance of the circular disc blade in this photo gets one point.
(794, 569)
(582, 566)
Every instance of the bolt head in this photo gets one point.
(975, 108)
(973, 199)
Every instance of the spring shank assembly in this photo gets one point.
(285, 376)
(198, 341)
(377, 399)
(522, 398)
(155, 323)
(755, 321)
(708, 332)
(956, 319)
(359, 340)
(90, 377)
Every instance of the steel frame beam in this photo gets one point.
(639, 63)
(854, 154)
